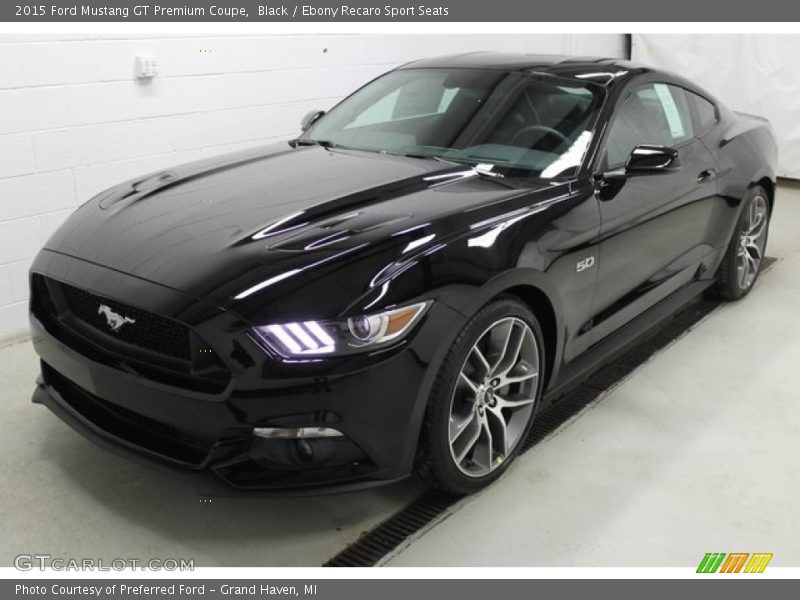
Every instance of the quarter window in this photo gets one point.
(705, 112)
(656, 114)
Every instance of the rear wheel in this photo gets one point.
(745, 255)
(484, 398)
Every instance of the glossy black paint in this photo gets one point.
(289, 232)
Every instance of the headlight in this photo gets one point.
(337, 338)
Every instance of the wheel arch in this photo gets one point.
(534, 289)
(769, 185)
(541, 306)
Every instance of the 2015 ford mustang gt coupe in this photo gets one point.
(405, 285)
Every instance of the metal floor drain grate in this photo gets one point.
(374, 545)
(387, 536)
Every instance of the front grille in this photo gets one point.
(147, 331)
(155, 347)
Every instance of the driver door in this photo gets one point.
(653, 232)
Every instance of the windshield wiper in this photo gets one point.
(486, 169)
(480, 168)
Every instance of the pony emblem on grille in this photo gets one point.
(115, 320)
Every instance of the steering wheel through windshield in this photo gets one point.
(547, 131)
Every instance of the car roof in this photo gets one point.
(598, 69)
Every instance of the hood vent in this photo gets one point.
(331, 232)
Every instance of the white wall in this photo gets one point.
(758, 74)
(73, 120)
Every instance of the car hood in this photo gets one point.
(212, 227)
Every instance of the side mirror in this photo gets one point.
(644, 159)
(650, 159)
(309, 119)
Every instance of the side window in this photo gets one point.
(656, 114)
(705, 112)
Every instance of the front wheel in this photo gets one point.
(745, 255)
(484, 398)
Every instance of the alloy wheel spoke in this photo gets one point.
(473, 440)
(518, 378)
(748, 269)
(744, 270)
(501, 430)
(513, 402)
(511, 349)
(755, 230)
(481, 360)
(488, 449)
(496, 349)
(465, 380)
(754, 250)
(457, 428)
(752, 264)
(754, 216)
(499, 351)
(518, 373)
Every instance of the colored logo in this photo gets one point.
(735, 562)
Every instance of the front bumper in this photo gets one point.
(201, 478)
(377, 403)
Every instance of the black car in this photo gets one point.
(405, 285)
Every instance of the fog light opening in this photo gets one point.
(304, 450)
(293, 433)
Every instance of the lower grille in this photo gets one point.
(163, 439)
(142, 329)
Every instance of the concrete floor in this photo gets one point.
(697, 451)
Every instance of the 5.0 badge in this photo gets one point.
(584, 264)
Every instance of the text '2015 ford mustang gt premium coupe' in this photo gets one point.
(405, 285)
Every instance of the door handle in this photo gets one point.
(707, 175)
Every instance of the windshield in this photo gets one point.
(514, 124)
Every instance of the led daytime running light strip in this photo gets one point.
(302, 338)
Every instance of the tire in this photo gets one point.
(745, 254)
(478, 385)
